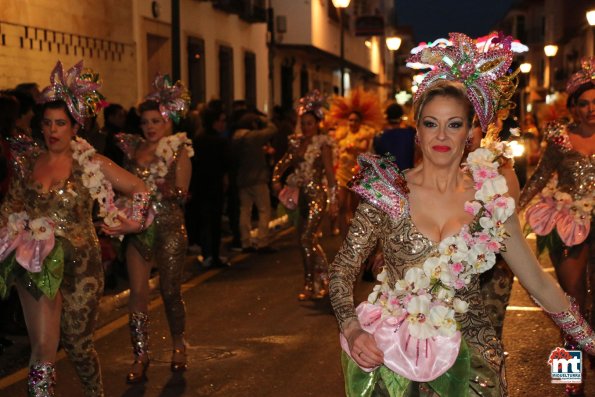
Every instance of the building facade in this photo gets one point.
(35, 34)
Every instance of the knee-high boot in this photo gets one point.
(41, 380)
(139, 337)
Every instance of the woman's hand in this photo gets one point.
(364, 350)
(126, 226)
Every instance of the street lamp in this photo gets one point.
(591, 20)
(340, 5)
(550, 51)
(525, 69)
(393, 43)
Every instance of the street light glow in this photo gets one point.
(591, 17)
(341, 3)
(525, 67)
(550, 50)
(393, 43)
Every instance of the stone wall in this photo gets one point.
(35, 34)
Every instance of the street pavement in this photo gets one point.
(249, 336)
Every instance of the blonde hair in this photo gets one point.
(444, 88)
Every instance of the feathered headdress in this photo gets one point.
(77, 87)
(481, 68)
(173, 99)
(363, 102)
(583, 76)
(313, 102)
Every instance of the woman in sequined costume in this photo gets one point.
(311, 156)
(395, 214)
(560, 194)
(165, 243)
(48, 182)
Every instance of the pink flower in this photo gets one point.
(493, 246)
(459, 283)
(472, 207)
(482, 237)
(457, 267)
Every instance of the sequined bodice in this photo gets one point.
(67, 203)
(576, 171)
(576, 174)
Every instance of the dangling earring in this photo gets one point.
(416, 138)
(468, 142)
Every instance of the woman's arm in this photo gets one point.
(544, 289)
(327, 160)
(361, 239)
(121, 180)
(512, 181)
(524, 264)
(280, 169)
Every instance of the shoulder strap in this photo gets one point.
(382, 184)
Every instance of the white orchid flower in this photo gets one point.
(41, 228)
(443, 319)
(419, 325)
(460, 306)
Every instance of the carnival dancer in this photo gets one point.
(310, 188)
(356, 119)
(49, 246)
(560, 194)
(424, 329)
(162, 160)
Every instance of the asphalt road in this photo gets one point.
(249, 336)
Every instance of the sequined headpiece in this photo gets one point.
(78, 88)
(481, 69)
(583, 76)
(173, 99)
(313, 102)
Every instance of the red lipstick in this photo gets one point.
(440, 148)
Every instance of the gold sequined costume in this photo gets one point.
(349, 146)
(404, 247)
(69, 205)
(170, 240)
(312, 204)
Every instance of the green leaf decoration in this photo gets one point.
(147, 237)
(48, 280)
(6, 269)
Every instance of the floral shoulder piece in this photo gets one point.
(557, 133)
(99, 187)
(128, 143)
(167, 152)
(382, 184)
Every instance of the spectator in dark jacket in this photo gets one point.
(210, 166)
(397, 139)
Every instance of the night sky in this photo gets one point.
(431, 19)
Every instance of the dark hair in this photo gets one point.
(444, 88)
(9, 111)
(147, 106)
(111, 110)
(26, 101)
(394, 111)
(572, 99)
(248, 121)
(58, 104)
(210, 116)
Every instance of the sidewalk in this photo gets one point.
(113, 304)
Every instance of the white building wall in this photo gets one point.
(200, 19)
